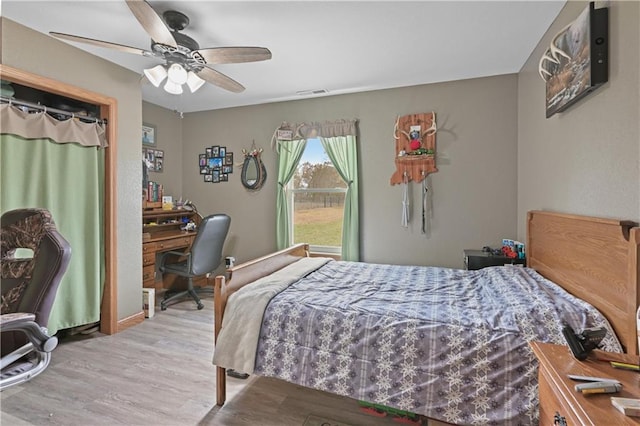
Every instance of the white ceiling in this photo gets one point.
(339, 46)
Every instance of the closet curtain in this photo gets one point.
(339, 141)
(49, 164)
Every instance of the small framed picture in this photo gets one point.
(202, 160)
(208, 153)
(204, 170)
(228, 159)
(159, 164)
(227, 169)
(149, 158)
(159, 153)
(222, 152)
(215, 151)
(208, 178)
(148, 135)
(216, 176)
(224, 177)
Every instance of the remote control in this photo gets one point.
(591, 379)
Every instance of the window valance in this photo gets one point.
(327, 129)
(41, 125)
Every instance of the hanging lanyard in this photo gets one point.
(405, 201)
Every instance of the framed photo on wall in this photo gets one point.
(148, 135)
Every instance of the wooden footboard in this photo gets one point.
(239, 276)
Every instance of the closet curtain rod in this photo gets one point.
(40, 107)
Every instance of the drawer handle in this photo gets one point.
(559, 420)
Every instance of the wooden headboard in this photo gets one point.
(594, 259)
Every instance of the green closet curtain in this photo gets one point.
(289, 154)
(68, 180)
(342, 152)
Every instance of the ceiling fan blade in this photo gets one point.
(99, 43)
(234, 55)
(219, 79)
(151, 22)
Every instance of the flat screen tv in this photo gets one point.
(576, 62)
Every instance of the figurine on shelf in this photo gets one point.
(414, 137)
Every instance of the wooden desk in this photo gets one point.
(557, 393)
(161, 233)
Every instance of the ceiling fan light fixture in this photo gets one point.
(156, 74)
(193, 81)
(173, 88)
(177, 74)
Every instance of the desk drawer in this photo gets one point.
(148, 248)
(183, 242)
(149, 258)
(148, 274)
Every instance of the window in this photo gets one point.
(317, 194)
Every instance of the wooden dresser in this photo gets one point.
(161, 233)
(558, 396)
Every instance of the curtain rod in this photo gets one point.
(40, 107)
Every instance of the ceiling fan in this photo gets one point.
(184, 61)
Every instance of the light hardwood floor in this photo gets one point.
(160, 373)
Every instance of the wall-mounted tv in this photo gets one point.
(577, 60)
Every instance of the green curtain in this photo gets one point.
(289, 154)
(342, 152)
(68, 180)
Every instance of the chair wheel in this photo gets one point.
(200, 306)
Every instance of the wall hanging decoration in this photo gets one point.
(415, 140)
(215, 164)
(153, 159)
(576, 61)
(254, 173)
(148, 135)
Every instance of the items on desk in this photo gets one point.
(627, 406)
(189, 226)
(167, 202)
(599, 387)
(625, 366)
(596, 384)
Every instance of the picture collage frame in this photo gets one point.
(215, 164)
(154, 159)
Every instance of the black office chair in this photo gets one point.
(204, 256)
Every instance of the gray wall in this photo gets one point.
(31, 51)
(474, 192)
(587, 159)
(169, 139)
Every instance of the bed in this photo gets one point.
(454, 359)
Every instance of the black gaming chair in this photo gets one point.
(204, 256)
(33, 259)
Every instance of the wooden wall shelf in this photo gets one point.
(417, 168)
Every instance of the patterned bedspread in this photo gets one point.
(446, 343)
